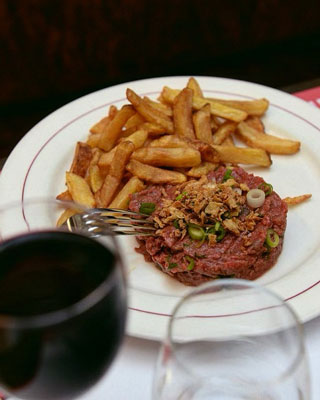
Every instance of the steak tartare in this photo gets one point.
(207, 228)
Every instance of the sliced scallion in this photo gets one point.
(147, 208)
(196, 232)
(190, 266)
(227, 175)
(272, 239)
(266, 187)
(181, 196)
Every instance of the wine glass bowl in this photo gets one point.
(232, 339)
(62, 304)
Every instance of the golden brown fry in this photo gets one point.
(93, 139)
(228, 141)
(100, 126)
(202, 124)
(182, 114)
(137, 138)
(168, 157)
(153, 129)
(202, 169)
(214, 123)
(95, 178)
(217, 109)
(256, 123)
(224, 130)
(80, 190)
(134, 121)
(241, 155)
(251, 107)
(170, 141)
(148, 112)
(64, 196)
(194, 85)
(123, 197)
(166, 109)
(154, 174)
(272, 144)
(292, 201)
(112, 181)
(113, 130)
(81, 159)
(69, 212)
(112, 111)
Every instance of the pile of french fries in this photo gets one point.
(183, 135)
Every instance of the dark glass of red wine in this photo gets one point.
(62, 305)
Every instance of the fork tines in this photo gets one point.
(122, 222)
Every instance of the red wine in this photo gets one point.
(57, 347)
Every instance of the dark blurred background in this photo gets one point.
(53, 51)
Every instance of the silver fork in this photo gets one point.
(104, 221)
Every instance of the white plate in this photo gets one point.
(37, 165)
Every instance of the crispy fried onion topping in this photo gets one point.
(205, 203)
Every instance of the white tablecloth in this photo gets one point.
(130, 377)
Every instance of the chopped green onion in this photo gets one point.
(266, 187)
(172, 265)
(176, 223)
(217, 230)
(220, 232)
(200, 255)
(227, 175)
(191, 263)
(147, 208)
(181, 195)
(196, 232)
(272, 239)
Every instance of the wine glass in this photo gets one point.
(232, 339)
(62, 303)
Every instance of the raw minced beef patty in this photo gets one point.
(241, 253)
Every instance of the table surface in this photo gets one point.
(131, 375)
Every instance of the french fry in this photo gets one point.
(168, 157)
(69, 212)
(134, 121)
(64, 196)
(224, 130)
(252, 107)
(112, 181)
(95, 178)
(217, 109)
(148, 112)
(170, 141)
(203, 169)
(112, 131)
(241, 155)
(159, 106)
(153, 129)
(137, 138)
(292, 201)
(101, 125)
(256, 123)
(228, 141)
(93, 139)
(81, 159)
(194, 85)
(202, 124)
(123, 197)
(154, 174)
(80, 190)
(272, 144)
(182, 114)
